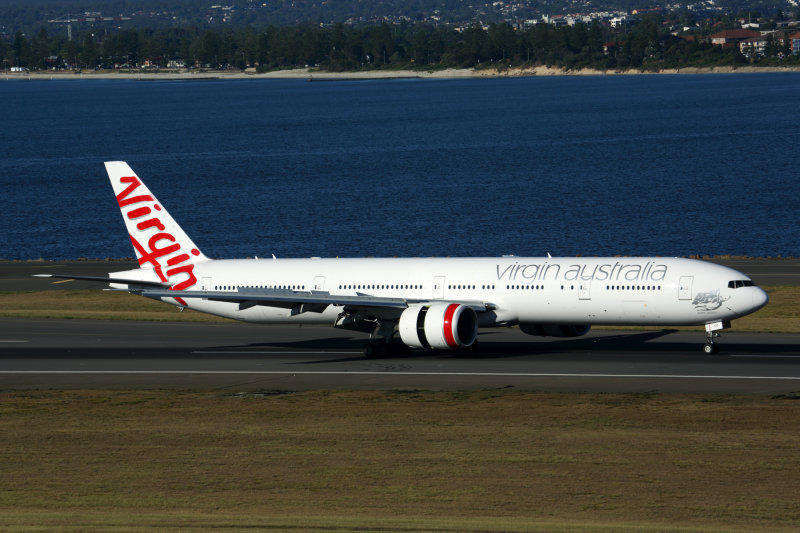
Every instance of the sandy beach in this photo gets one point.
(313, 74)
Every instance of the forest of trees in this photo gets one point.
(646, 45)
(29, 15)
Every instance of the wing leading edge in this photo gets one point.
(314, 301)
(246, 297)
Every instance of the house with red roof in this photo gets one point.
(731, 38)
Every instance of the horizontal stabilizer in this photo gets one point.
(130, 282)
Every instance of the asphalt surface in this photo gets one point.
(42, 354)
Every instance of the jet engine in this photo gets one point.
(555, 330)
(438, 325)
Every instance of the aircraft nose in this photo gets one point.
(760, 298)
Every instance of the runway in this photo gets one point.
(44, 354)
(37, 354)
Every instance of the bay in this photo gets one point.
(618, 165)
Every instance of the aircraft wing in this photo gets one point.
(246, 297)
(313, 301)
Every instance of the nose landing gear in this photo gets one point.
(711, 347)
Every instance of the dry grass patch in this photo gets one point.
(480, 461)
(781, 315)
(93, 305)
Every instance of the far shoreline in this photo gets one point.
(313, 74)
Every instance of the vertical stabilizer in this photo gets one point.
(158, 240)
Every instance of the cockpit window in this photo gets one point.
(735, 284)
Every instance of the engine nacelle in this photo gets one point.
(555, 330)
(438, 325)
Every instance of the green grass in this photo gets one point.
(397, 461)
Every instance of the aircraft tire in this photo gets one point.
(376, 350)
(710, 348)
(369, 351)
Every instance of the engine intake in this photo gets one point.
(439, 325)
(555, 330)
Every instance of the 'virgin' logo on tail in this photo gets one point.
(161, 249)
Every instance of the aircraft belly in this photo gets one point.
(595, 311)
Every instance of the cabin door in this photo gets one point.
(585, 290)
(685, 288)
(438, 287)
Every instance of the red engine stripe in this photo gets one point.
(449, 326)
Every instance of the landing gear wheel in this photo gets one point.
(380, 349)
(386, 348)
(375, 350)
(398, 348)
(710, 348)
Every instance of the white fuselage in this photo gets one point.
(423, 303)
(517, 290)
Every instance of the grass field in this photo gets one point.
(781, 315)
(397, 461)
(391, 461)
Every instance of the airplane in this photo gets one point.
(427, 303)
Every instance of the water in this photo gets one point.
(632, 165)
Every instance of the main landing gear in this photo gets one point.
(385, 348)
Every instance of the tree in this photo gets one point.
(337, 61)
(88, 55)
(21, 50)
(381, 46)
(476, 47)
(248, 44)
(40, 50)
(502, 41)
(209, 50)
(69, 52)
(4, 52)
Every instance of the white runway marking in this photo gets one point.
(754, 356)
(12, 341)
(273, 352)
(389, 373)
